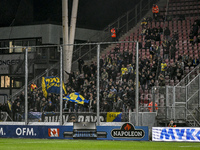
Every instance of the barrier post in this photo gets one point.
(98, 67)
(61, 90)
(26, 86)
(137, 86)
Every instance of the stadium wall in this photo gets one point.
(50, 34)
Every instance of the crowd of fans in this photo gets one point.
(117, 75)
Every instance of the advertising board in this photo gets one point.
(80, 131)
(85, 117)
(187, 134)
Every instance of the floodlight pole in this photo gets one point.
(98, 67)
(65, 34)
(61, 90)
(72, 30)
(26, 86)
(137, 86)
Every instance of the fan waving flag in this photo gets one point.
(52, 85)
(76, 98)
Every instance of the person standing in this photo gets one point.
(119, 104)
(195, 29)
(150, 106)
(113, 34)
(173, 52)
(167, 33)
(155, 11)
(172, 70)
(195, 61)
(166, 46)
(163, 67)
(80, 64)
(17, 112)
(33, 86)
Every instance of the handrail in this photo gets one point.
(192, 96)
(105, 39)
(197, 110)
(18, 66)
(118, 20)
(172, 107)
(193, 117)
(33, 80)
(192, 80)
(183, 80)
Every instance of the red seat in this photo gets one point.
(166, 77)
(191, 68)
(176, 82)
(166, 82)
(171, 83)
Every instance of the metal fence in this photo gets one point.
(29, 106)
(123, 24)
(86, 51)
(179, 102)
(193, 73)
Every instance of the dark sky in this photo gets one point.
(94, 14)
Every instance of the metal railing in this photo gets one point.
(193, 121)
(191, 75)
(123, 24)
(179, 102)
(35, 80)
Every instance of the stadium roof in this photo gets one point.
(93, 14)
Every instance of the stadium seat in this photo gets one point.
(171, 83)
(167, 82)
(191, 68)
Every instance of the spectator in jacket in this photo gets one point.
(80, 64)
(161, 80)
(119, 104)
(172, 71)
(160, 30)
(16, 111)
(167, 33)
(166, 46)
(143, 81)
(195, 61)
(155, 11)
(144, 22)
(163, 67)
(50, 107)
(195, 29)
(173, 52)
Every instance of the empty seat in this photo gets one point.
(191, 68)
(171, 83)
(166, 77)
(166, 82)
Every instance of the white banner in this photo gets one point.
(187, 134)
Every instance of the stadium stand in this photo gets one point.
(163, 60)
